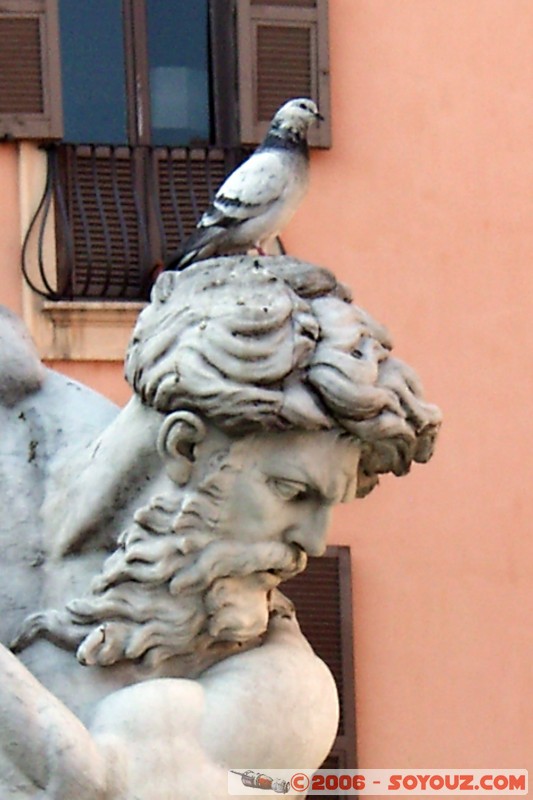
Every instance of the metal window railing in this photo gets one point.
(119, 213)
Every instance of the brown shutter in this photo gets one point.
(30, 104)
(323, 599)
(283, 53)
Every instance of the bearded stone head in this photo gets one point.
(278, 398)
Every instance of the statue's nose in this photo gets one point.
(311, 534)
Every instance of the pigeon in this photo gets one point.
(257, 200)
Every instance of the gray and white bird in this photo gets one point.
(257, 200)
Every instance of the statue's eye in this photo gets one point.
(289, 490)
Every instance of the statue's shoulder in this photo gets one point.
(21, 370)
(26, 383)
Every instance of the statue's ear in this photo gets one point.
(164, 286)
(178, 435)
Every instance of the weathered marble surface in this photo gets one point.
(142, 548)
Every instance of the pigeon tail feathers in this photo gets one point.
(201, 244)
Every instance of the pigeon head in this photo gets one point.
(296, 116)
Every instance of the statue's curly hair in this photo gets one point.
(273, 343)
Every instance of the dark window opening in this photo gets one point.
(92, 72)
(177, 35)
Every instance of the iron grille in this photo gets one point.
(120, 213)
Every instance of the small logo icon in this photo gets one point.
(300, 782)
(257, 780)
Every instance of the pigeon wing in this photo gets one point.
(248, 192)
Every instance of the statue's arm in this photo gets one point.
(259, 703)
(274, 706)
(42, 742)
(171, 737)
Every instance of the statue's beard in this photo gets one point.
(176, 586)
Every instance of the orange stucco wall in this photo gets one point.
(10, 276)
(102, 376)
(424, 205)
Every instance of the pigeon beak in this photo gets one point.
(319, 116)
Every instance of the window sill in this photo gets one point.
(78, 330)
(86, 331)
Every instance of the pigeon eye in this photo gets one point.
(302, 105)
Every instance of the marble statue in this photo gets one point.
(146, 647)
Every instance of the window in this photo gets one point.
(160, 100)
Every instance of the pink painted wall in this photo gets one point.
(10, 276)
(103, 376)
(424, 205)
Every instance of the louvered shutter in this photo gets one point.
(283, 53)
(30, 98)
(323, 599)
